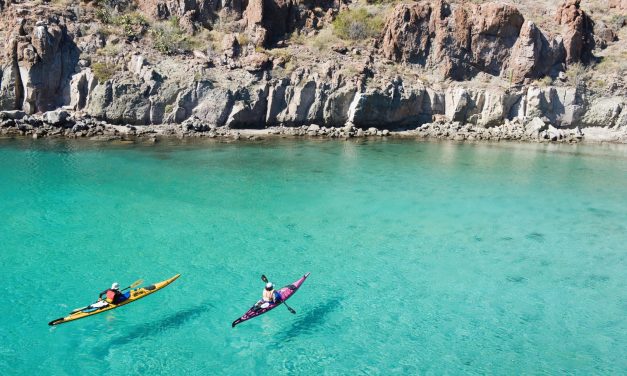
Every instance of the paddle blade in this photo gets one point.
(264, 278)
(136, 283)
(291, 310)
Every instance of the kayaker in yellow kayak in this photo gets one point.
(113, 295)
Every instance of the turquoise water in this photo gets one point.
(426, 258)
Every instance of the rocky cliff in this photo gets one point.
(275, 63)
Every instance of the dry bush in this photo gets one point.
(103, 71)
(357, 24)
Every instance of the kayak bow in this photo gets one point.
(134, 295)
(285, 293)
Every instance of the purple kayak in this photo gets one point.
(259, 309)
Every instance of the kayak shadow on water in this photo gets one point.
(154, 328)
(311, 321)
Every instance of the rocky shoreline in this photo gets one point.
(64, 124)
(430, 69)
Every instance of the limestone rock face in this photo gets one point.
(604, 112)
(10, 88)
(577, 30)
(40, 64)
(249, 108)
(120, 103)
(81, 86)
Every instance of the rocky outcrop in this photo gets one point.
(410, 30)
(577, 31)
(534, 56)
(46, 62)
(271, 17)
(11, 86)
(201, 11)
(266, 21)
(492, 38)
(41, 58)
(327, 98)
(461, 42)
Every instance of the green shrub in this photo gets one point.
(171, 40)
(133, 24)
(576, 73)
(545, 81)
(103, 71)
(104, 15)
(243, 39)
(324, 40)
(618, 21)
(357, 24)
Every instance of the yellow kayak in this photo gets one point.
(133, 295)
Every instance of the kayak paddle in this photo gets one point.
(292, 311)
(289, 308)
(133, 285)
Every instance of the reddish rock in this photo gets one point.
(186, 23)
(275, 16)
(534, 55)
(203, 11)
(618, 4)
(470, 39)
(577, 31)
(408, 34)
(256, 62)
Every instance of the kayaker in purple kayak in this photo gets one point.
(272, 298)
(269, 295)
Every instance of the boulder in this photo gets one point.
(269, 20)
(12, 115)
(256, 62)
(56, 118)
(535, 126)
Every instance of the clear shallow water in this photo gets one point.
(425, 257)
